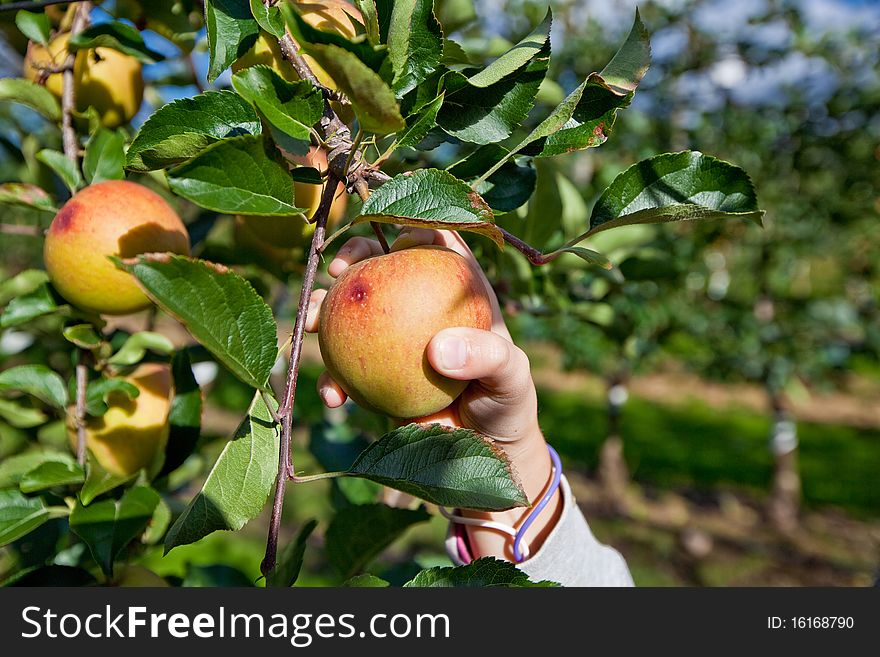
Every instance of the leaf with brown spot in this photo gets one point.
(431, 198)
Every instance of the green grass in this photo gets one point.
(694, 445)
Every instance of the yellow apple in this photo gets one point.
(133, 433)
(105, 79)
(115, 217)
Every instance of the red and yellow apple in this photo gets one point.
(118, 218)
(378, 318)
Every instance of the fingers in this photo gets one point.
(354, 250)
(314, 310)
(468, 354)
(331, 394)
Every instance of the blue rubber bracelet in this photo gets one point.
(554, 486)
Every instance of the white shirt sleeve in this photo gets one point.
(570, 555)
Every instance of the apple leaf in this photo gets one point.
(118, 36)
(241, 175)
(135, 348)
(108, 526)
(105, 156)
(357, 534)
(509, 187)
(415, 44)
(28, 306)
(52, 473)
(674, 187)
(14, 468)
(34, 25)
(269, 17)
(292, 107)
(372, 100)
(291, 559)
(98, 392)
(36, 380)
(35, 96)
(217, 306)
(99, 481)
(431, 198)
(307, 36)
(488, 106)
(26, 195)
(456, 468)
(366, 581)
(238, 485)
(182, 129)
(63, 167)
(19, 515)
(486, 571)
(420, 122)
(231, 30)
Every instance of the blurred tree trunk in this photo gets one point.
(786, 496)
(613, 473)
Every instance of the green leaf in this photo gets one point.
(358, 534)
(268, 17)
(20, 416)
(455, 468)
(366, 581)
(308, 36)
(35, 96)
(99, 391)
(237, 176)
(19, 515)
(159, 524)
(232, 30)
(35, 26)
(420, 122)
(135, 348)
(99, 481)
(532, 46)
(108, 526)
(372, 100)
(220, 308)
(490, 105)
(433, 199)
(65, 168)
(28, 306)
(50, 474)
(630, 63)
(36, 380)
(118, 36)
(238, 485)
(509, 187)
(216, 576)
(22, 283)
(185, 416)
(290, 562)
(415, 43)
(589, 256)
(292, 107)
(483, 572)
(675, 187)
(182, 129)
(26, 195)
(14, 468)
(105, 156)
(371, 20)
(83, 336)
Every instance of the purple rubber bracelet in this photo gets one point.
(554, 485)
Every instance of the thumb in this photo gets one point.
(468, 354)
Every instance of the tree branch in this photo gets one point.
(285, 410)
(82, 380)
(68, 91)
(21, 229)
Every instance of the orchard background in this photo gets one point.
(712, 386)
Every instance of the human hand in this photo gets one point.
(500, 402)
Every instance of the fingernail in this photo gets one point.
(453, 353)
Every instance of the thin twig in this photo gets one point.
(31, 6)
(191, 65)
(290, 50)
(285, 411)
(363, 190)
(21, 229)
(534, 256)
(68, 91)
(82, 380)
